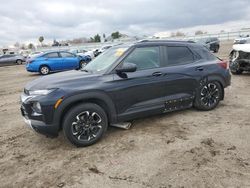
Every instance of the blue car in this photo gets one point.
(44, 63)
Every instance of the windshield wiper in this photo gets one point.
(85, 70)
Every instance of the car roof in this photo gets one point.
(163, 42)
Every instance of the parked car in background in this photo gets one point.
(11, 59)
(212, 43)
(122, 84)
(83, 53)
(96, 52)
(104, 48)
(55, 61)
(239, 58)
(242, 40)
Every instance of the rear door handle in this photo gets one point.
(199, 68)
(157, 74)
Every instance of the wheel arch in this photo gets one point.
(101, 99)
(220, 80)
(44, 65)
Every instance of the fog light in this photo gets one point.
(37, 107)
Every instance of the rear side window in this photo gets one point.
(66, 54)
(51, 55)
(204, 53)
(179, 55)
(145, 57)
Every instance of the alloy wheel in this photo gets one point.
(87, 126)
(210, 95)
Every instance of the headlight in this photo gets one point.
(37, 107)
(41, 92)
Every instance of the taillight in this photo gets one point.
(224, 64)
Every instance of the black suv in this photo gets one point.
(212, 43)
(124, 83)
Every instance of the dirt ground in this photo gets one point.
(182, 149)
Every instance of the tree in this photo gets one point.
(31, 46)
(199, 32)
(41, 39)
(179, 34)
(96, 38)
(116, 35)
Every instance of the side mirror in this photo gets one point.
(127, 67)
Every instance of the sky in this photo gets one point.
(25, 20)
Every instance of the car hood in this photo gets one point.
(61, 80)
(242, 47)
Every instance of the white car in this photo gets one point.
(83, 52)
(104, 48)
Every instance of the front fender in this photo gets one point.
(70, 101)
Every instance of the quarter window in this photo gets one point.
(178, 55)
(144, 58)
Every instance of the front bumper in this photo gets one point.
(40, 122)
(50, 130)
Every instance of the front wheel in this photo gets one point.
(85, 124)
(208, 96)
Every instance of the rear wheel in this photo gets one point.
(44, 70)
(85, 124)
(19, 62)
(208, 96)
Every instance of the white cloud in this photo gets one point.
(26, 20)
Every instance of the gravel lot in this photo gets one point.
(181, 149)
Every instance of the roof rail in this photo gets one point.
(160, 40)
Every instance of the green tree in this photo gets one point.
(116, 35)
(41, 39)
(97, 38)
(31, 46)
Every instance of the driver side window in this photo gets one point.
(144, 57)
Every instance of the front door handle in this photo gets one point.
(157, 74)
(199, 68)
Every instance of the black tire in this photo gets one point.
(208, 96)
(82, 64)
(216, 49)
(85, 124)
(236, 72)
(235, 68)
(19, 62)
(44, 70)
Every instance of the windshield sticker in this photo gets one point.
(119, 52)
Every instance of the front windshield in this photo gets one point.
(105, 60)
(204, 40)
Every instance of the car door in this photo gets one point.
(141, 92)
(6, 60)
(70, 61)
(3, 60)
(53, 60)
(183, 73)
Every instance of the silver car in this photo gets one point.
(11, 59)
